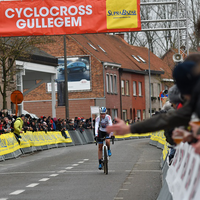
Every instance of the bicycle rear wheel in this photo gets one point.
(105, 160)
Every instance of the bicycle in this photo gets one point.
(105, 156)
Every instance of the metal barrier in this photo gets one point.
(89, 136)
(77, 138)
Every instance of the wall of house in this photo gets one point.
(77, 108)
(127, 99)
(155, 104)
(41, 99)
(112, 98)
(138, 102)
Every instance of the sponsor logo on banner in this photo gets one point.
(122, 14)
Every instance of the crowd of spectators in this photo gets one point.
(44, 123)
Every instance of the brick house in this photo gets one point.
(118, 75)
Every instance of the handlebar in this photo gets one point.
(105, 138)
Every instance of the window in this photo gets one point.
(136, 58)
(122, 87)
(139, 115)
(127, 87)
(159, 90)
(114, 113)
(92, 46)
(115, 84)
(140, 88)
(144, 115)
(152, 90)
(107, 83)
(141, 59)
(124, 115)
(111, 83)
(101, 48)
(134, 88)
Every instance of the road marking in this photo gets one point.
(118, 198)
(17, 192)
(3, 199)
(32, 185)
(75, 165)
(69, 168)
(91, 171)
(62, 171)
(81, 162)
(44, 179)
(53, 175)
(38, 172)
(86, 159)
(137, 170)
(127, 183)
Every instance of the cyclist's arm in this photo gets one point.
(110, 124)
(97, 126)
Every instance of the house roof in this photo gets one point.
(37, 55)
(113, 49)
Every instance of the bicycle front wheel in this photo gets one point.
(105, 160)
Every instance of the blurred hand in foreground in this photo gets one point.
(119, 128)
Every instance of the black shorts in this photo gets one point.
(102, 134)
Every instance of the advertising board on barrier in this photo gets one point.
(55, 17)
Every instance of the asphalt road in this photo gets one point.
(72, 173)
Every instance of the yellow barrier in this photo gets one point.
(9, 144)
(160, 138)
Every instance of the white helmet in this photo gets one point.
(103, 110)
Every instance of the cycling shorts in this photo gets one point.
(102, 134)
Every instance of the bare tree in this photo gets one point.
(11, 49)
(161, 41)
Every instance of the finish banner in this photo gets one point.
(59, 17)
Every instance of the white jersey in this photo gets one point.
(101, 124)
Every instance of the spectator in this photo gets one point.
(33, 126)
(1, 125)
(71, 125)
(7, 125)
(64, 128)
(18, 127)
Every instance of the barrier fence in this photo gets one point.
(37, 141)
(181, 180)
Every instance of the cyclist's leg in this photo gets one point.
(100, 151)
(108, 145)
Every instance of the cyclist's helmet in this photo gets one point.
(103, 110)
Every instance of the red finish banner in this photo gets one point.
(59, 17)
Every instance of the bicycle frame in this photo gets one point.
(105, 157)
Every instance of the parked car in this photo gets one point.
(76, 66)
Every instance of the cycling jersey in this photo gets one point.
(101, 124)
